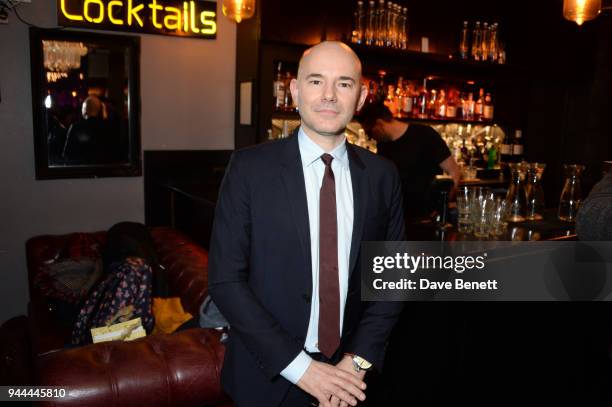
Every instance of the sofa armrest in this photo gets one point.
(161, 370)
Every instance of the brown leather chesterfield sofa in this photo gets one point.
(180, 369)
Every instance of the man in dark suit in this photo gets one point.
(285, 246)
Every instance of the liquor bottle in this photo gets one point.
(399, 97)
(441, 105)
(371, 24)
(358, 33)
(371, 92)
(493, 44)
(469, 107)
(492, 156)
(404, 29)
(488, 108)
(484, 42)
(506, 149)
(381, 26)
(288, 101)
(451, 104)
(407, 102)
(390, 13)
(381, 93)
(463, 44)
(422, 102)
(431, 104)
(279, 88)
(517, 146)
(479, 106)
(390, 100)
(476, 42)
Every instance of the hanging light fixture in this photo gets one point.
(238, 10)
(580, 11)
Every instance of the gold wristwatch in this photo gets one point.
(360, 363)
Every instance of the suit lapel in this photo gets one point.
(293, 178)
(359, 182)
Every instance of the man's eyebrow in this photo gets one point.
(342, 78)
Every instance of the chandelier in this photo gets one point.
(63, 56)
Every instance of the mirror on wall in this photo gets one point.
(85, 100)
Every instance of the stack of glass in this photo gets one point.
(481, 212)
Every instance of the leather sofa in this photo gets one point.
(179, 369)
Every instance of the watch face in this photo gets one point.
(362, 363)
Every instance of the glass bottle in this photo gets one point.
(534, 192)
(381, 28)
(487, 113)
(404, 29)
(516, 198)
(358, 34)
(571, 196)
(484, 42)
(493, 43)
(370, 33)
(476, 42)
(288, 101)
(422, 102)
(390, 16)
(279, 88)
(479, 105)
(463, 43)
(399, 96)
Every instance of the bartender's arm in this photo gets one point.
(450, 166)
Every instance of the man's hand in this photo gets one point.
(323, 381)
(346, 364)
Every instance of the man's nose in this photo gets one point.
(329, 93)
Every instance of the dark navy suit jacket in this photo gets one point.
(260, 265)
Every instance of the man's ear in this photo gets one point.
(363, 94)
(293, 86)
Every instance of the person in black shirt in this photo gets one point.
(417, 150)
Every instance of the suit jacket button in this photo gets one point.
(306, 297)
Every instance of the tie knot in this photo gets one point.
(327, 159)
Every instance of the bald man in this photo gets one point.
(284, 258)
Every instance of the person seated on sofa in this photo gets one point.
(126, 289)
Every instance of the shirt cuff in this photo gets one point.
(297, 368)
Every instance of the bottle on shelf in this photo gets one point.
(488, 108)
(451, 104)
(358, 33)
(493, 44)
(288, 100)
(441, 105)
(279, 88)
(476, 41)
(431, 104)
(370, 32)
(463, 43)
(484, 42)
(407, 101)
(381, 26)
(399, 97)
(479, 105)
(390, 15)
(468, 107)
(517, 146)
(404, 29)
(505, 149)
(422, 101)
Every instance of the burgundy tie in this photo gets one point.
(329, 291)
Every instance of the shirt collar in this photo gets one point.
(311, 151)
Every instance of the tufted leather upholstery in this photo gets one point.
(181, 369)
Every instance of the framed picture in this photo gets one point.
(85, 104)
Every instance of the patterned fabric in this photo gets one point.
(129, 283)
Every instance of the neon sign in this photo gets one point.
(187, 18)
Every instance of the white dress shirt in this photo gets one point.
(314, 169)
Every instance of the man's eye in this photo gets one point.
(346, 85)
(315, 82)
